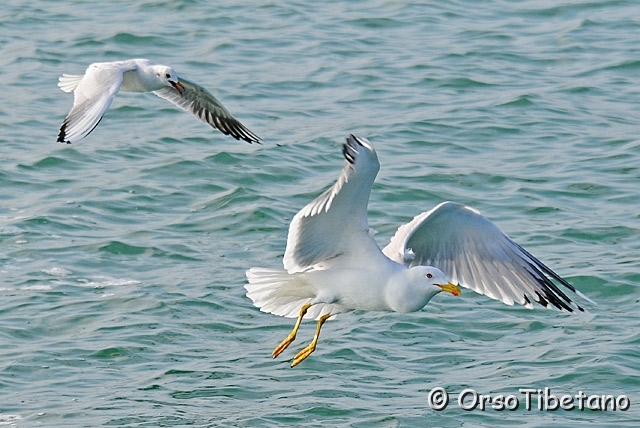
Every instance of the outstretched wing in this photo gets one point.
(202, 104)
(473, 252)
(93, 95)
(335, 223)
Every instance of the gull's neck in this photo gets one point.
(143, 78)
(408, 291)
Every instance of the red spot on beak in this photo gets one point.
(450, 288)
(177, 86)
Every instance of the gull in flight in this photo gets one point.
(332, 264)
(94, 91)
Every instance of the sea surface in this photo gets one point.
(123, 256)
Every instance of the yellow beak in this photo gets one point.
(450, 288)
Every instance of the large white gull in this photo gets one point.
(332, 263)
(94, 91)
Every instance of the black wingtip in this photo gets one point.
(554, 295)
(249, 136)
(249, 139)
(235, 129)
(349, 149)
(63, 134)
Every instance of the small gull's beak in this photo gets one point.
(178, 86)
(450, 288)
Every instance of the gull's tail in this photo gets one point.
(281, 293)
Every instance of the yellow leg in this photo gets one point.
(300, 356)
(292, 336)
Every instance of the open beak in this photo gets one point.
(450, 288)
(178, 86)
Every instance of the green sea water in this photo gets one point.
(122, 257)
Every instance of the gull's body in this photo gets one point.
(332, 264)
(95, 90)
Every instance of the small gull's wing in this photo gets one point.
(335, 223)
(473, 252)
(202, 104)
(93, 94)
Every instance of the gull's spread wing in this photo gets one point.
(335, 223)
(473, 252)
(93, 94)
(202, 104)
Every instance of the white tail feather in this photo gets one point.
(281, 293)
(69, 82)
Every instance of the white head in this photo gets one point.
(413, 289)
(169, 77)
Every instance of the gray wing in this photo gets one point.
(93, 94)
(335, 223)
(475, 253)
(202, 104)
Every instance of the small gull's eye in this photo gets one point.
(167, 75)
(429, 275)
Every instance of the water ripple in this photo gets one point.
(123, 256)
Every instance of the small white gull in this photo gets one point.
(94, 91)
(332, 263)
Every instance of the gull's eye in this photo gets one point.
(429, 275)
(167, 75)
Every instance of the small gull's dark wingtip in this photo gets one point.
(239, 132)
(353, 138)
(347, 153)
(249, 136)
(253, 139)
(62, 135)
(348, 150)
